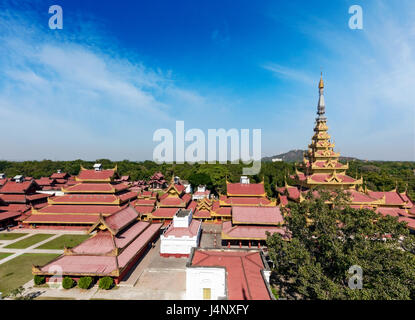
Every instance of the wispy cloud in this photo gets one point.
(61, 98)
(289, 73)
(369, 77)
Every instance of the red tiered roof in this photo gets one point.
(243, 269)
(323, 177)
(322, 164)
(202, 214)
(164, 213)
(245, 189)
(284, 200)
(106, 253)
(61, 218)
(395, 212)
(14, 198)
(119, 220)
(392, 197)
(9, 214)
(17, 187)
(96, 188)
(61, 175)
(91, 174)
(252, 201)
(409, 221)
(79, 209)
(45, 181)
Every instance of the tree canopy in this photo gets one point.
(327, 239)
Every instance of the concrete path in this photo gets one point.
(19, 252)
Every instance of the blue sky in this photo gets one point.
(119, 70)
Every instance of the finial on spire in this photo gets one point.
(321, 83)
(321, 107)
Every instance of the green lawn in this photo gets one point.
(5, 255)
(11, 236)
(68, 240)
(18, 271)
(30, 241)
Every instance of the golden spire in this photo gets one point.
(321, 84)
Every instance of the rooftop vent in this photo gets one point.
(19, 178)
(244, 179)
(98, 167)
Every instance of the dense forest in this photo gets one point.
(377, 175)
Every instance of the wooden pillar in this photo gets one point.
(259, 245)
(249, 243)
(229, 244)
(240, 244)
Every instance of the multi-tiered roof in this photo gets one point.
(321, 167)
(94, 193)
(118, 242)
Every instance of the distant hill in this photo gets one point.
(297, 156)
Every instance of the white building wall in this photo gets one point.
(198, 278)
(173, 245)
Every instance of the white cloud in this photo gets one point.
(63, 99)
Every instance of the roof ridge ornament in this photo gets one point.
(321, 107)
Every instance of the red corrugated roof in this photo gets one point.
(16, 187)
(83, 264)
(96, 187)
(86, 209)
(164, 212)
(16, 198)
(391, 197)
(234, 201)
(61, 175)
(86, 174)
(245, 189)
(62, 218)
(121, 219)
(248, 232)
(99, 244)
(9, 214)
(138, 244)
(256, 215)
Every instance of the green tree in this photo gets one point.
(327, 238)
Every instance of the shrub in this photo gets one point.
(85, 282)
(68, 283)
(38, 280)
(106, 283)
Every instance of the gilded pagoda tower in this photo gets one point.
(321, 165)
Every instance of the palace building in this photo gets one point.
(243, 193)
(17, 197)
(321, 164)
(321, 168)
(95, 193)
(249, 226)
(117, 243)
(170, 202)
